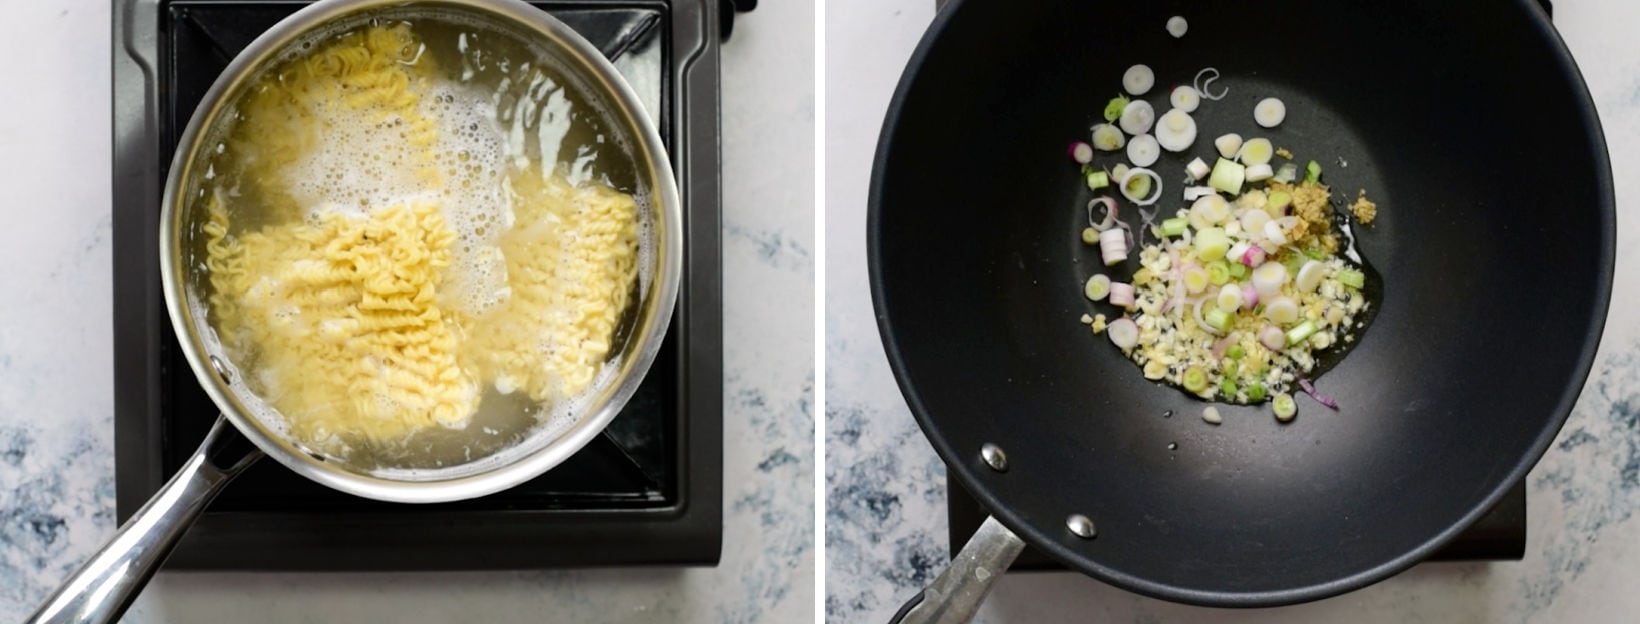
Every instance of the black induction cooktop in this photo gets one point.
(646, 491)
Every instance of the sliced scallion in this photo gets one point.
(1108, 138)
(1211, 244)
(1098, 180)
(1284, 407)
(1300, 333)
(1218, 318)
(1113, 108)
(1218, 272)
(1278, 202)
(1255, 392)
(1136, 185)
(1194, 379)
(1097, 287)
(1352, 278)
(1174, 226)
(1195, 280)
(1227, 176)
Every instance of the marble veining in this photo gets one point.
(56, 379)
(885, 525)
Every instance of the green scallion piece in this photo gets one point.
(1098, 180)
(1279, 201)
(1284, 406)
(1312, 172)
(1137, 186)
(1218, 272)
(1194, 379)
(1352, 278)
(1295, 263)
(1175, 226)
(1218, 318)
(1300, 332)
(1113, 109)
(1255, 392)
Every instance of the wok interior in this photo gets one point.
(641, 325)
(1462, 124)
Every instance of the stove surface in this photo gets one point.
(648, 490)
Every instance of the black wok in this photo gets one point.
(1469, 124)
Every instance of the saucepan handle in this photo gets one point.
(955, 595)
(104, 587)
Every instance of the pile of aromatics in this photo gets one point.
(1238, 291)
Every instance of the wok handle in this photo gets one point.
(105, 586)
(955, 595)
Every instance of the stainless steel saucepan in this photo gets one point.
(103, 588)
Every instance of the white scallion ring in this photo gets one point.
(1269, 112)
(1155, 186)
(1143, 151)
(1138, 79)
(1177, 26)
(1185, 98)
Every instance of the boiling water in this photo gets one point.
(501, 109)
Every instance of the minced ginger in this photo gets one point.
(1364, 209)
(1311, 209)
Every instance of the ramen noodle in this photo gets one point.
(382, 257)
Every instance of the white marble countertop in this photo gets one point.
(56, 378)
(885, 514)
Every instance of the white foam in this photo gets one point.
(474, 201)
(360, 164)
(365, 164)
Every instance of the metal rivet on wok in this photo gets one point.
(994, 457)
(221, 370)
(1082, 526)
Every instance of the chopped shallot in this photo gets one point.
(1081, 152)
(1113, 247)
(1121, 294)
(1110, 218)
(1309, 389)
(1272, 337)
(1201, 85)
